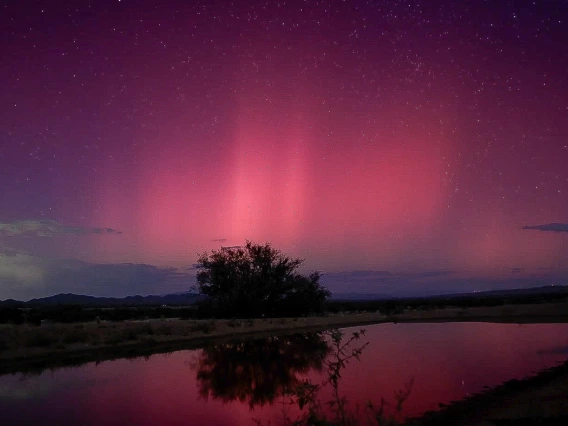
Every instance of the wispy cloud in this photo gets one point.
(381, 281)
(421, 283)
(550, 227)
(20, 272)
(366, 274)
(218, 240)
(191, 267)
(24, 276)
(48, 228)
(10, 251)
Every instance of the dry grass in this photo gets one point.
(19, 338)
(28, 341)
(22, 341)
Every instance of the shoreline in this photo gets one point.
(128, 339)
(39, 359)
(536, 399)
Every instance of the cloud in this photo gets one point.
(428, 274)
(24, 276)
(357, 275)
(218, 240)
(191, 267)
(18, 269)
(429, 283)
(551, 227)
(48, 228)
(365, 274)
(516, 270)
(384, 282)
(10, 251)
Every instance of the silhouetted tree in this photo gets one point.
(257, 280)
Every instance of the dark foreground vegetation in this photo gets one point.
(57, 343)
(256, 280)
(77, 313)
(396, 306)
(26, 348)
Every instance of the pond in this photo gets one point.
(233, 384)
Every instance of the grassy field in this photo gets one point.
(28, 348)
(25, 346)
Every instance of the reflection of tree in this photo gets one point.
(335, 412)
(261, 370)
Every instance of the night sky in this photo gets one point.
(399, 147)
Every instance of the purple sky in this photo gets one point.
(399, 147)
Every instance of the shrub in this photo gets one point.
(130, 334)
(39, 338)
(206, 327)
(75, 336)
(234, 323)
(256, 280)
(164, 329)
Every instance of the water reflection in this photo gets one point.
(448, 361)
(258, 371)
(337, 410)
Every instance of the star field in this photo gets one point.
(360, 135)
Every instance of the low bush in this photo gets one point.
(234, 323)
(39, 338)
(164, 329)
(3, 345)
(206, 327)
(75, 336)
(130, 334)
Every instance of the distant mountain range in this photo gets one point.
(361, 296)
(543, 290)
(76, 299)
(190, 298)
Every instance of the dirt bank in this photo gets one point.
(538, 400)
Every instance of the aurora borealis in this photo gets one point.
(393, 145)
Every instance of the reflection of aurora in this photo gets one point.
(20, 390)
(29, 387)
(258, 371)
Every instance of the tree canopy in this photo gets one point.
(256, 280)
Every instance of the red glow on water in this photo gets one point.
(445, 361)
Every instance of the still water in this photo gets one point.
(232, 384)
